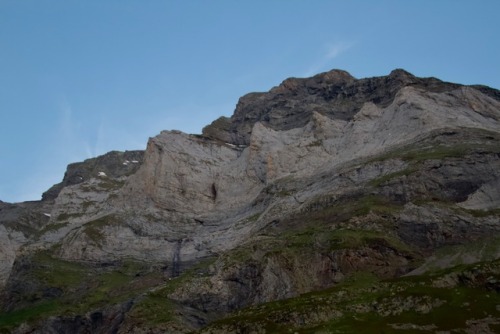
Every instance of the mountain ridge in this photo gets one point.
(304, 186)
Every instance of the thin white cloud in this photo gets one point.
(334, 50)
(100, 143)
(75, 142)
(331, 51)
(66, 119)
(76, 139)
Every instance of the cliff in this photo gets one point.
(304, 189)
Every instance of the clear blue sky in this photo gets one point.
(81, 78)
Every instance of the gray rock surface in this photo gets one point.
(392, 167)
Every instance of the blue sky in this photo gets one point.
(81, 78)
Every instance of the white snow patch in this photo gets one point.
(135, 161)
(101, 174)
(47, 214)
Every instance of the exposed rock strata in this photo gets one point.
(305, 185)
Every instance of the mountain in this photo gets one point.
(329, 204)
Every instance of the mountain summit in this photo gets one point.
(326, 203)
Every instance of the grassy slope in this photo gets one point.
(82, 288)
(362, 303)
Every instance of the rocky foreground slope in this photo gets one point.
(328, 204)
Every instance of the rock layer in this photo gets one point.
(305, 185)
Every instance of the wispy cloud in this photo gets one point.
(70, 144)
(66, 126)
(76, 136)
(330, 52)
(78, 140)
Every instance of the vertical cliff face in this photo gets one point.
(194, 176)
(306, 185)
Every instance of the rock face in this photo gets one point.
(113, 164)
(335, 94)
(306, 185)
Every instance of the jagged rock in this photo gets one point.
(335, 94)
(114, 164)
(310, 182)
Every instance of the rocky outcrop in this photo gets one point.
(100, 322)
(304, 186)
(113, 164)
(335, 94)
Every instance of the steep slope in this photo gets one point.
(304, 186)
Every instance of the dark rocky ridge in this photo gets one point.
(114, 164)
(335, 94)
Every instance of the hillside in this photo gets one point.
(329, 204)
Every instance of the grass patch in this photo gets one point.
(315, 143)
(110, 184)
(156, 307)
(200, 269)
(487, 249)
(51, 227)
(54, 272)
(68, 216)
(436, 151)
(11, 320)
(153, 310)
(383, 179)
(254, 217)
(331, 240)
(103, 184)
(83, 288)
(482, 213)
(93, 229)
(346, 208)
(363, 304)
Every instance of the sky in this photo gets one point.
(81, 78)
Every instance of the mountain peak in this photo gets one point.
(400, 73)
(320, 181)
(335, 94)
(336, 76)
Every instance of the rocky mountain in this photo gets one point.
(327, 205)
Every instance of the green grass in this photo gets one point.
(320, 230)
(341, 239)
(93, 229)
(344, 209)
(110, 184)
(68, 216)
(153, 310)
(50, 228)
(156, 307)
(106, 184)
(281, 316)
(363, 304)
(481, 213)
(198, 270)
(11, 320)
(437, 151)
(486, 249)
(254, 217)
(83, 288)
(318, 142)
(383, 179)
(54, 272)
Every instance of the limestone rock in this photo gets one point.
(304, 185)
